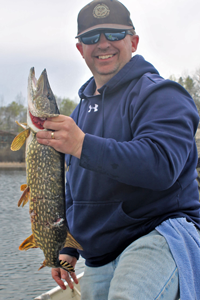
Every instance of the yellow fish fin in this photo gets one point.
(66, 266)
(23, 187)
(23, 125)
(43, 265)
(24, 197)
(71, 242)
(28, 243)
(19, 140)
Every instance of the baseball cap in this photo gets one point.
(103, 14)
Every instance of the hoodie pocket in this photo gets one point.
(102, 227)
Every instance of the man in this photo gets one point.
(131, 192)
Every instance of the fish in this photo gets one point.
(45, 176)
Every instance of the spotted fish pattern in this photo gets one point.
(45, 172)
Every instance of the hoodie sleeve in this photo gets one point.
(70, 251)
(163, 126)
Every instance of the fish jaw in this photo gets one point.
(35, 123)
(41, 101)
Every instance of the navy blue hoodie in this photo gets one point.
(138, 161)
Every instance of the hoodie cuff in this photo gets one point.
(70, 251)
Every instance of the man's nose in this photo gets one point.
(103, 42)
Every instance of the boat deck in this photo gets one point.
(58, 294)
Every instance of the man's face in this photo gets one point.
(106, 58)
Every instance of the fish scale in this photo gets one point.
(45, 188)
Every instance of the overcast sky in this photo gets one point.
(41, 34)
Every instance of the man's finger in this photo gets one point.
(43, 134)
(55, 122)
(56, 277)
(66, 277)
(46, 135)
(73, 275)
(59, 118)
(52, 125)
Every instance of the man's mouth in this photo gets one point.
(105, 56)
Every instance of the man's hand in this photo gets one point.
(58, 273)
(67, 138)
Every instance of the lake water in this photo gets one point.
(19, 275)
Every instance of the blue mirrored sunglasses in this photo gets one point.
(93, 38)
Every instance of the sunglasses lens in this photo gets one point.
(110, 36)
(90, 39)
(115, 36)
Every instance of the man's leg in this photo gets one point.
(145, 270)
(95, 283)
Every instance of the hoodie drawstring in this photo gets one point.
(69, 162)
(102, 131)
(103, 98)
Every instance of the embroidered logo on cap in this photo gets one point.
(101, 11)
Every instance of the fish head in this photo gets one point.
(41, 101)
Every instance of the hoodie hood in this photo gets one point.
(134, 69)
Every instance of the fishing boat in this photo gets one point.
(58, 294)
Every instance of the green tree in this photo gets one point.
(189, 85)
(67, 106)
(16, 111)
(197, 83)
(181, 81)
(192, 85)
(11, 113)
(172, 77)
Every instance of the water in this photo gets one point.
(19, 275)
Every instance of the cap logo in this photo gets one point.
(101, 11)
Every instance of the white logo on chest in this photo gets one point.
(95, 108)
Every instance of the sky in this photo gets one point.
(41, 34)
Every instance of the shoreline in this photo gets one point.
(12, 165)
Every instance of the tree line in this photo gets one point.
(16, 111)
(192, 85)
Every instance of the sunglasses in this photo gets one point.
(112, 36)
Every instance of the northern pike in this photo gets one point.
(45, 187)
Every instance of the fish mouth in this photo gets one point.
(36, 121)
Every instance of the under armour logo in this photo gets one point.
(95, 107)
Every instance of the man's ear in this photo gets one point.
(79, 46)
(134, 41)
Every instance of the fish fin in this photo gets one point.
(24, 197)
(43, 265)
(66, 266)
(23, 187)
(71, 242)
(28, 243)
(19, 140)
(23, 125)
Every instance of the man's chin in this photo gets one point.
(108, 72)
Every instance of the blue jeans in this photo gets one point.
(145, 270)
